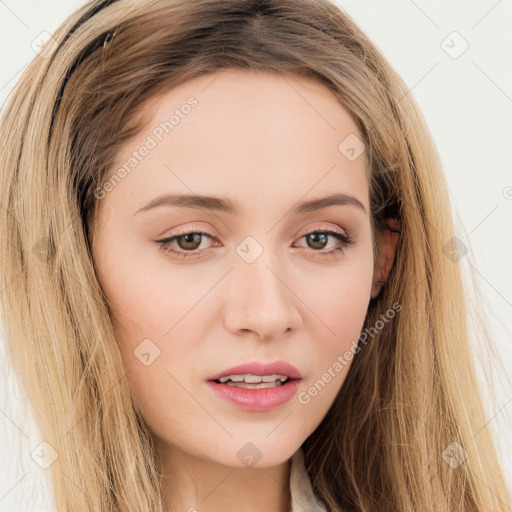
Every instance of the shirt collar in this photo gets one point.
(302, 497)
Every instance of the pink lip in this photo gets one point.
(262, 399)
(279, 367)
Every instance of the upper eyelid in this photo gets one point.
(323, 227)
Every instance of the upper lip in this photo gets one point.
(257, 368)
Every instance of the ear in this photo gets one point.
(388, 240)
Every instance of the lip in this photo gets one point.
(262, 399)
(256, 400)
(257, 368)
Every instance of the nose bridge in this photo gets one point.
(261, 299)
(261, 268)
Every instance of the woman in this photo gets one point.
(276, 139)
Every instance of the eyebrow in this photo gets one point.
(228, 206)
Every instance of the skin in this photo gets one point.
(265, 141)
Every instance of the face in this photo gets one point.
(197, 289)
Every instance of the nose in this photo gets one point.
(261, 300)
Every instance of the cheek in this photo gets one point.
(155, 333)
(141, 297)
(347, 304)
(340, 305)
(339, 298)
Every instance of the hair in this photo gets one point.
(411, 391)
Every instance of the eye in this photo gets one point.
(189, 242)
(318, 237)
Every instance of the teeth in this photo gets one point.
(274, 378)
(255, 386)
(254, 379)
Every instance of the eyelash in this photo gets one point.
(344, 242)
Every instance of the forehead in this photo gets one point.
(280, 137)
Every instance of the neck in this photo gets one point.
(192, 484)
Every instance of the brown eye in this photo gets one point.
(319, 240)
(191, 241)
(186, 243)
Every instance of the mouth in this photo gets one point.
(255, 396)
(255, 381)
(257, 386)
(257, 372)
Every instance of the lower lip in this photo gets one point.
(262, 399)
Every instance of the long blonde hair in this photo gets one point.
(411, 392)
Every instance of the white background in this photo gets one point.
(467, 102)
